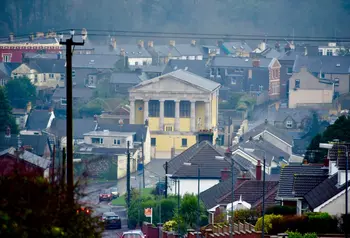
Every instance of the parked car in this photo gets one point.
(111, 220)
(105, 195)
(114, 192)
(133, 234)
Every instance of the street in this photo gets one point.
(153, 171)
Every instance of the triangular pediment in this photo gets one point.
(167, 83)
(22, 69)
(274, 64)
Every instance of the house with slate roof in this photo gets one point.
(200, 155)
(296, 181)
(329, 195)
(197, 67)
(39, 120)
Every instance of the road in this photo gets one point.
(152, 171)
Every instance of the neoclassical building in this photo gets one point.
(178, 106)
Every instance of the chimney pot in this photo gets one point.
(95, 118)
(141, 43)
(172, 43)
(256, 63)
(326, 162)
(193, 42)
(225, 174)
(39, 34)
(11, 37)
(50, 109)
(84, 33)
(150, 44)
(258, 171)
(29, 107)
(114, 43)
(122, 52)
(31, 37)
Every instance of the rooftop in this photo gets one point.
(324, 64)
(228, 61)
(28, 157)
(197, 67)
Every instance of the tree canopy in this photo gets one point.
(6, 118)
(20, 91)
(339, 130)
(33, 207)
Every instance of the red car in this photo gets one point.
(105, 195)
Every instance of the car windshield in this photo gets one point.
(106, 191)
(112, 217)
(114, 189)
(132, 236)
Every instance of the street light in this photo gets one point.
(159, 196)
(198, 201)
(330, 146)
(264, 179)
(229, 154)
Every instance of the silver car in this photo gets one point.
(133, 234)
(114, 192)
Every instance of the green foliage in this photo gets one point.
(299, 235)
(280, 210)
(268, 220)
(339, 130)
(103, 89)
(189, 209)
(90, 110)
(170, 225)
(20, 91)
(245, 215)
(33, 207)
(6, 118)
(232, 102)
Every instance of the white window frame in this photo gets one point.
(62, 101)
(99, 139)
(51, 76)
(336, 82)
(289, 124)
(288, 70)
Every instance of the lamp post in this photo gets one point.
(198, 192)
(264, 180)
(228, 154)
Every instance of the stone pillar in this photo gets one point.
(193, 116)
(132, 112)
(177, 115)
(161, 114)
(145, 110)
(207, 115)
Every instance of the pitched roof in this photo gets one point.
(227, 61)
(197, 67)
(290, 172)
(42, 65)
(338, 154)
(271, 129)
(28, 157)
(233, 46)
(38, 120)
(324, 64)
(7, 67)
(35, 143)
(125, 78)
(139, 129)
(134, 51)
(188, 50)
(249, 190)
(165, 51)
(77, 93)
(188, 77)
(202, 154)
(303, 183)
(80, 127)
(324, 191)
(95, 61)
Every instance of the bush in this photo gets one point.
(245, 215)
(280, 210)
(321, 222)
(299, 235)
(289, 223)
(170, 225)
(269, 221)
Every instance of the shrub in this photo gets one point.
(292, 234)
(269, 220)
(289, 223)
(281, 210)
(321, 222)
(310, 235)
(170, 225)
(245, 215)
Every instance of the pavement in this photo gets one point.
(153, 171)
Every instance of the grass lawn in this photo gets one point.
(120, 201)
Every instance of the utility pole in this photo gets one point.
(53, 164)
(69, 112)
(63, 173)
(143, 163)
(166, 180)
(128, 174)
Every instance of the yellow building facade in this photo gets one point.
(177, 106)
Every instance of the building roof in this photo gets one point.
(32, 55)
(303, 183)
(291, 172)
(188, 77)
(80, 127)
(101, 150)
(28, 157)
(202, 154)
(77, 93)
(38, 120)
(249, 190)
(324, 191)
(35, 143)
(324, 64)
(233, 46)
(139, 129)
(298, 114)
(227, 61)
(165, 51)
(257, 131)
(95, 61)
(57, 66)
(197, 67)
(125, 78)
(338, 154)
(134, 51)
(7, 67)
(188, 50)
(271, 53)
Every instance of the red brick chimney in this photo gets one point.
(258, 171)
(256, 63)
(225, 174)
(326, 162)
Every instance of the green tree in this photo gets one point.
(189, 210)
(33, 207)
(20, 91)
(339, 130)
(6, 118)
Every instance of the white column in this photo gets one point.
(177, 115)
(161, 114)
(193, 116)
(207, 115)
(132, 112)
(145, 110)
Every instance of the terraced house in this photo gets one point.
(178, 106)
